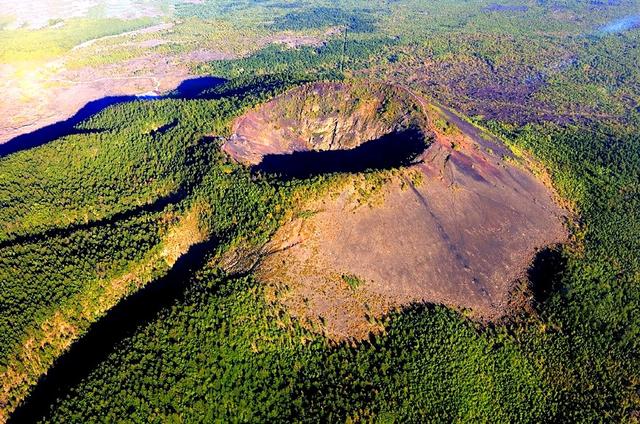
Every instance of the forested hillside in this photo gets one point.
(129, 248)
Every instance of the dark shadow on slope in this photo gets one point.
(119, 323)
(195, 87)
(546, 272)
(56, 232)
(252, 86)
(166, 127)
(390, 151)
(157, 205)
(52, 132)
(188, 89)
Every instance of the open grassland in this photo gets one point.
(24, 45)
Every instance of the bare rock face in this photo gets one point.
(457, 227)
(321, 117)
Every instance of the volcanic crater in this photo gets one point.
(330, 127)
(458, 223)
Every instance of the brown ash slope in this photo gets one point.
(456, 226)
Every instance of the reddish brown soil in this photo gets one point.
(457, 229)
(321, 116)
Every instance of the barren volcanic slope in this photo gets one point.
(328, 117)
(458, 224)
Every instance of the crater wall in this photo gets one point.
(459, 225)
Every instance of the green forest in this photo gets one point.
(139, 212)
(219, 350)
